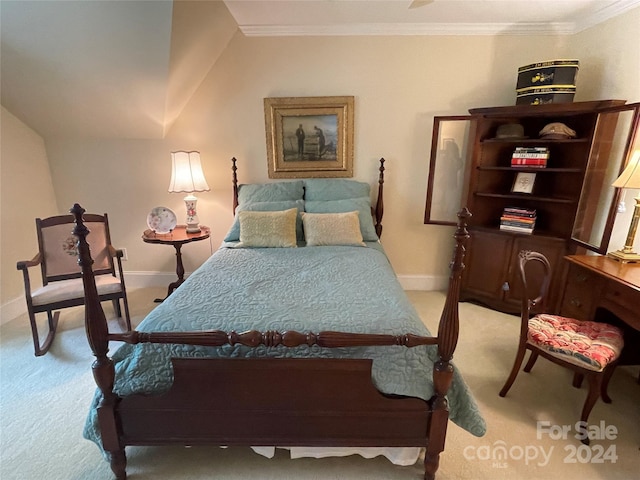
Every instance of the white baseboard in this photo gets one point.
(149, 279)
(12, 309)
(16, 307)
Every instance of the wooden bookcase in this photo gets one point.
(572, 196)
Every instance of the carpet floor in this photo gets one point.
(44, 402)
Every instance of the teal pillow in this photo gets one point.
(362, 205)
(233, 235)
(334, 189)
(270, 192)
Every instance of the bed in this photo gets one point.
(295, 333)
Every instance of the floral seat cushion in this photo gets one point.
(592, 345)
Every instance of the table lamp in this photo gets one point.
(187, 177)
(630, 178)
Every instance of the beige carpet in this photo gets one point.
(43, 404)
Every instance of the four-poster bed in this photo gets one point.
(364, 379)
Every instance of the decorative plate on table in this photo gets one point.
(162, 220)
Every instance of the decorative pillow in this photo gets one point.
(268, 229)
(270, 192)
(233, 235)
(362, 205)
(332, 229)
(334, 189)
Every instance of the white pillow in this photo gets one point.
(268, 229)
(332, 229)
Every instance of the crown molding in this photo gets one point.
(604, 14)
(382, 29)
(583, 22)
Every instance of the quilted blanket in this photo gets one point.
(304, 289)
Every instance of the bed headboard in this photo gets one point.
(377, 211)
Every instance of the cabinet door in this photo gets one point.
(449, 169)
(552, 248)
(615, 138)
(485, 278)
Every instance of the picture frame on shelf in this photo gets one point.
(309, 136)
(523, 182)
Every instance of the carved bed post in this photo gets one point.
(234, 169)
(447, 341)
(98, 336)
(380, 203)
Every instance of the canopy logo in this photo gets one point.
(500, 453)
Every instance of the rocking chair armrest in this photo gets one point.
(24, 264)
(118, 254)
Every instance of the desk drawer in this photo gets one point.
(581, 293)
(623, 302)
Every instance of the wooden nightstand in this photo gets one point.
(177, 238)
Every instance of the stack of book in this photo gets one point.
(516, 219)
(530, 157)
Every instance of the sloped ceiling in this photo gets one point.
(126, 68)
(110, 69)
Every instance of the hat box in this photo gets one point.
(552, 81)
(545, 95)
(552, 72)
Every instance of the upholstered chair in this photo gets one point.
(589, 349)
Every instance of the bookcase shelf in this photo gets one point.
(534, 141)
(571, 195)
(530, 169)
(527, 197)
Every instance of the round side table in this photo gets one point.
(177, 237)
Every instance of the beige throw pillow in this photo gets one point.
(332, 229)
(268, 229)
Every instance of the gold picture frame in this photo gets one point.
(309, 137)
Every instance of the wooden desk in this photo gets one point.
(601, 289)
(177, 238)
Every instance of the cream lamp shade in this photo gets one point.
(187, 177)
(630, 178)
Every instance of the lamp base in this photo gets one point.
(624, 257)
(190, 202)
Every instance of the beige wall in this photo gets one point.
(610, 67)
(26, 193)
(399, 84)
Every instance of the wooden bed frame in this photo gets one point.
(250, 402)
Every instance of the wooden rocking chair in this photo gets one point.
(61, 275)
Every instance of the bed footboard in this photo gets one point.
(213, 401)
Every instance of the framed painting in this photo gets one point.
(309, 136)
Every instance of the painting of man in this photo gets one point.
(310, 137)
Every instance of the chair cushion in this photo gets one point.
(591, 345)
(72, 289)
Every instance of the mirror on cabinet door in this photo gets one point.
(448, 169)
(598, 224)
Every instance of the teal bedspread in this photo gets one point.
(304, 289)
